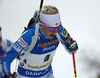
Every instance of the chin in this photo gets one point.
(50, 37)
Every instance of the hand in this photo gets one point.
(73, 46)
(8, 76)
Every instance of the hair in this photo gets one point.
(49, 10)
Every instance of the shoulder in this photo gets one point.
(27, 36)
(29, 31)
(62, 31)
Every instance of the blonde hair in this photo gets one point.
(49, 10)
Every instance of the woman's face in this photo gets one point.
(47, 33)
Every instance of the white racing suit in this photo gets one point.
(36, 53)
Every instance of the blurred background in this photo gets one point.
(81, 18)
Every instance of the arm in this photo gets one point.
(22, 43)
(67, 41)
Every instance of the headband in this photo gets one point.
(50, 20)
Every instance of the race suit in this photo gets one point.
(5, 46)
(36, 62)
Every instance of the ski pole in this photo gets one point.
(41, 4)
(74, 64)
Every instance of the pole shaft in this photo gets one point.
(41, 4)
(73, 56)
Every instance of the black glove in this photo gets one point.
(73, 46)
(8, 76)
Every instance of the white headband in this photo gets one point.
(50, 20)
(0, 34)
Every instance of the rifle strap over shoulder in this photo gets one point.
(35, 38)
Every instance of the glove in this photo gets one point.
(14, 75)
(8, 76)
(73, 46)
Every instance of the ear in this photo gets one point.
(41, 25)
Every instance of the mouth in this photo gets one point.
(52, 35)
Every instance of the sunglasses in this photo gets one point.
(51, 28)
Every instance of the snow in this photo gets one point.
(80, 17)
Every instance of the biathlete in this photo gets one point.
(37, 46)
